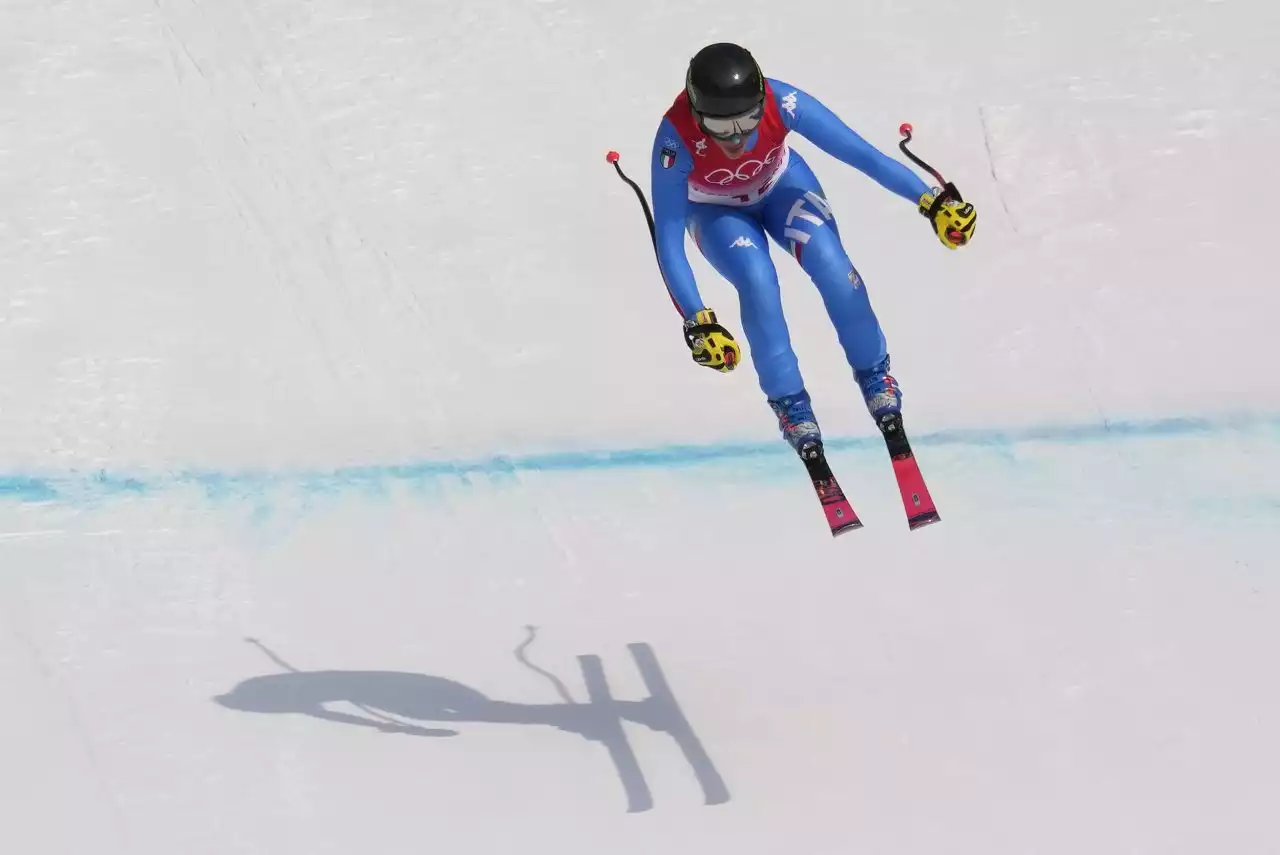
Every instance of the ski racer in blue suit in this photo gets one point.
(722, 171)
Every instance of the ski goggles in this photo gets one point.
(728, 127)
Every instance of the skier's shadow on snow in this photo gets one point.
(384, 697)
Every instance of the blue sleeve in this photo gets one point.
(814, 121)
(670, 167)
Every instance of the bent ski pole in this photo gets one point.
(613, 157)
(906, 130)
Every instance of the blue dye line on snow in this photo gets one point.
(35, 488)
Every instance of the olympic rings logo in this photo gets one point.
(746, 171)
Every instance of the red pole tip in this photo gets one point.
(612, 157)
(905, 129)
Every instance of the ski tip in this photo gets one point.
(612, 156)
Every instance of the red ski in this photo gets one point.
(915, 495)
(841, 516)
(916, 501)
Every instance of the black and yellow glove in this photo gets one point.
(712, 345)
(953, 218)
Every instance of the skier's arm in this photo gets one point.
(670, 191)
(814, 121)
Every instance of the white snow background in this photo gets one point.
(358, 494)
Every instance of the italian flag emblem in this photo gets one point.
(668, 158)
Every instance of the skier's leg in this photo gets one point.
(734, 243)
(799, 218)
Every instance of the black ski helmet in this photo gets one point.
(724, 80)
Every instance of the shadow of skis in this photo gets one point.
(398, 702)
(660, 712)
(677, 726)
(614, 738)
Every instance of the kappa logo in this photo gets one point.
(789, 103)
(700, 148)
(743, 241)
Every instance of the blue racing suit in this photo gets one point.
(781, 198)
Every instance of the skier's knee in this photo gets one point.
(756, 274)
(759, 293)
(825, 258)
(838, 281)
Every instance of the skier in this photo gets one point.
(721, 169)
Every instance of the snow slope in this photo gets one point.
(357, 490)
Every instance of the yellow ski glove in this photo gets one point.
(953, 218)
(712, 345)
